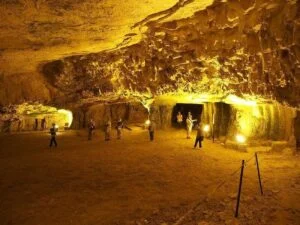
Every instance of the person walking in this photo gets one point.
(91, 127)
(119, 128)
(200, 136)
(152, 128)
(107, 130)
(53, 131)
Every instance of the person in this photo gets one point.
(36, 124)
(53, 131)
(200, 136)
(119, 128)
(179, 119)
(189, 125)
(152, 128)
(43, 123)
(107, 130)
(91, 127)
(20, 124)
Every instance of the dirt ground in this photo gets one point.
(134, 181)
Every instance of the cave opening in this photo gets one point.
(33, 117)
(184, 109)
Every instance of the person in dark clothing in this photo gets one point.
(36, 124)
(20, 124)
(152, 128)
(53, 131)
(119, 128)
(199, 137)
(43, 123)
(107, 130)
(91, 127)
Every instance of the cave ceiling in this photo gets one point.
(91, 50)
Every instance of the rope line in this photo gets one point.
(179, 221)
(231, 176)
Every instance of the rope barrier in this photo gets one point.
(231, 176)
(179, 221)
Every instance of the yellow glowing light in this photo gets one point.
(206, 128)
(256, 112)
(147, 123)
(56, 126)
(233, 99)
(240, 138)
(68, 114)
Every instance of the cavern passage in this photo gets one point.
(93, 59)
(234, 64)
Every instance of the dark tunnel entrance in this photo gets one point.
(184, 108)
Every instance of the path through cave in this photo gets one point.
(184, 108)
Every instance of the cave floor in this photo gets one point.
(134, 181)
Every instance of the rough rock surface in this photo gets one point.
(241, 47)
(230, 47)
(33, 31)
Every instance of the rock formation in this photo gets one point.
(89, 55)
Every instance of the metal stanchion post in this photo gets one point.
(240, 189)
(213, 126)
(258, 173)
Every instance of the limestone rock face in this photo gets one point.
(33, 31)
(151, 48)
(130, 113)
(230, 47)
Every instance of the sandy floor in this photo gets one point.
(133, 181)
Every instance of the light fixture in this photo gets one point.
(240, 138)
(147, 122)
(206, 128)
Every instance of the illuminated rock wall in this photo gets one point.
(162, 115)
(131, 113)
(261, 122)
(264, 121)
(28, 117)
(243, 48)
(232, 47)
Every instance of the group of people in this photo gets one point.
(107, 129)
(151, 129)
(43, 124)
(189, 127)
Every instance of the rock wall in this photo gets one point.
(274, 122)
(28, 117)
(264, 121)
(231, 47)
(20, 88)
(131, 113)
(23, 117)
(162, 115)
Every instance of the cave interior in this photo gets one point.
(239, 60)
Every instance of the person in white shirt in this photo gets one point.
(179, 119)
(189, 125)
